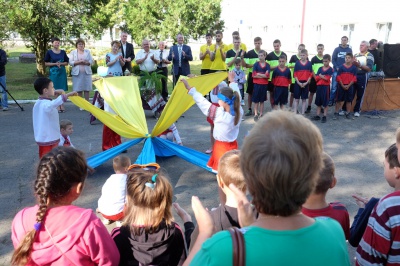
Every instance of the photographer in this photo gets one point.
(3, 62)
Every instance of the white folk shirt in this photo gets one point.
(46, 121)
(113, 194)
(224, 123)
(148, 64)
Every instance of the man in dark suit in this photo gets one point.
(180, 55)
(127, 52)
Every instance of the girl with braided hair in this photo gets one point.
(55, 232)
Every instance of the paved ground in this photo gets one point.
(357, 146)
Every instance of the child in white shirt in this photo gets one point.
(112, 201)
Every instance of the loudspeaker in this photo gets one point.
(391, 60)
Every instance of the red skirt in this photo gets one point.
(219, 149)
(110, 138)
(115, 217)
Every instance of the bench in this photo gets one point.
(27, 58)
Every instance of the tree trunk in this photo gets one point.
(111, 33)
(40, 48)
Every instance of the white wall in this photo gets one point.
(283, 18)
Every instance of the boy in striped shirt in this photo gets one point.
(380, 242)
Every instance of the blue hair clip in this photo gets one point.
(153, 179)
(37, 226)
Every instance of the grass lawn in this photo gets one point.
(20, 77)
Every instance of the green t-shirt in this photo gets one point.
(322, 243)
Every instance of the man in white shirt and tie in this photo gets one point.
(162, 57)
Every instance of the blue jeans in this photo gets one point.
(333, 88)
(4, 98)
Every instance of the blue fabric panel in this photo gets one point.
(165, 148)
(101, 157)
(147, 155)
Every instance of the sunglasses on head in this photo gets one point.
(150, 166)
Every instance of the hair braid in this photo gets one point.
(21, 254)
(56, 173)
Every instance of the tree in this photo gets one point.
(160, 19)
(37, 21)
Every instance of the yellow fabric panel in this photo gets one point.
(111, 120)
(123, 95)
(180, 101)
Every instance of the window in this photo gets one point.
(347, 30)
(384, 31)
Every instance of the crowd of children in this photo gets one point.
(282, 211)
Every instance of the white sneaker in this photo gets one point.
(107, 222)
(242, 102)
(356, 114)
(342, 112)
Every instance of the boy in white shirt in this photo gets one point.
(112, 201)
(66, 129)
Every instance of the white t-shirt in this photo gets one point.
(113, 194)
(224, 127)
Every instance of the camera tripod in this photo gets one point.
(4, 88)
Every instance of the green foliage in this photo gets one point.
(149, 81)
(68, 69)
(136, 70)
(159, 20)
(94, 67)
(39, 20)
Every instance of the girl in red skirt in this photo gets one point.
(226, 119)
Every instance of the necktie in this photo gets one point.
(66, 142)
(180, 55)
(161, 58)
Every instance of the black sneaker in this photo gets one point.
(330, 103)
(348, 116)
(308, 110)
(316, 118)
(248, 113)
(323, 119)
(335, 116)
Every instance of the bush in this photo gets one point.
(94, 67)
(136, 70)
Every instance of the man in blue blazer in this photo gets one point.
(180, 54)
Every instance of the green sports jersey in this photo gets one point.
(316, 63)
(251, 57)
(273, 61)
(230, 55)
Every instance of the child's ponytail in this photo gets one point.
(236, 107)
